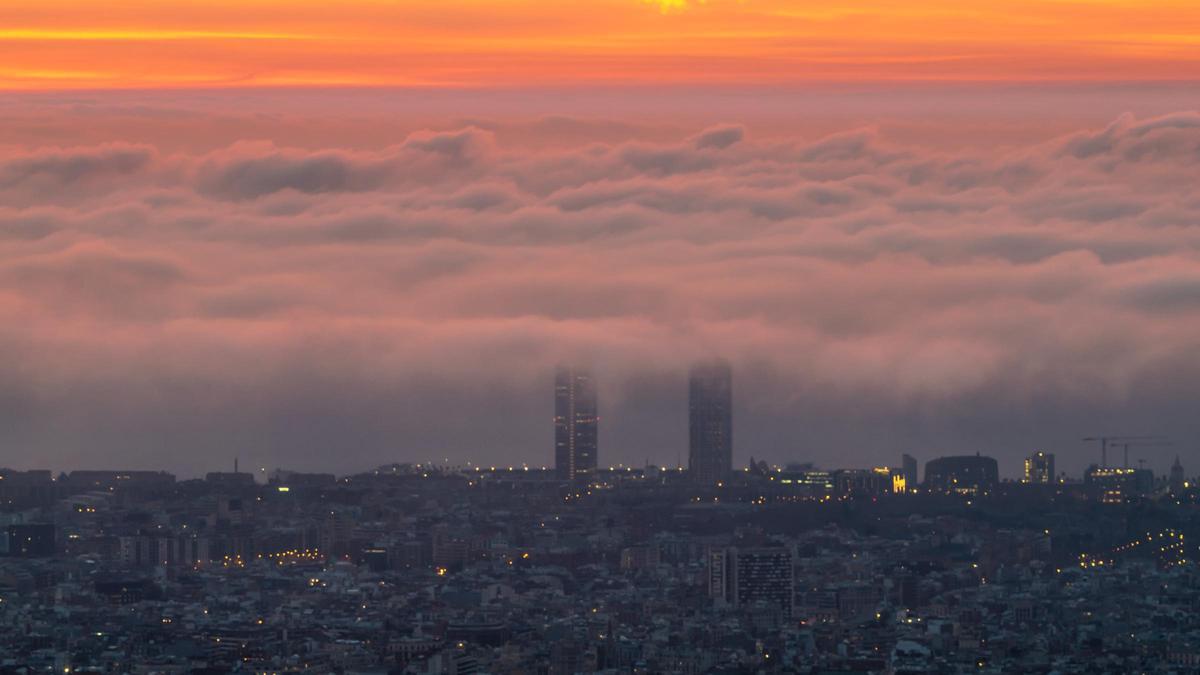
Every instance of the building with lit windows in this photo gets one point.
(868, 482)
(807, 482)
(1039, 468)
(1117, 485)
(744, 577)
(576, 423)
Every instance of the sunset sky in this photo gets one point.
(324, 235)
(448, 43)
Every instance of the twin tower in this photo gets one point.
(710, 422)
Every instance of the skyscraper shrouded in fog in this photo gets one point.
(576, 422)
(710, 421)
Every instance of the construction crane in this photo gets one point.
(1105, 440)
(1139, 444)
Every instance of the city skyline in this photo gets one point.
(575, 456)
(1080, 452)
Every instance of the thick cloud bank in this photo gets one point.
(337, 307)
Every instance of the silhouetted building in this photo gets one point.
(567, 657)
(1039, 468)
(710, 421)
(126, 591)
(743, 577)
(1176, 481)
(376, 559)
(908, 469)
(235, 480)
(25, 489)
(300, 480)
(141, 481)
(968, 474)
(31, 541)
(491, 633)
(576, 423)
(908, 590)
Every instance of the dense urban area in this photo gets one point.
(708, 568)
(426, 569)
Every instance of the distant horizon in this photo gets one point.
(466, 466)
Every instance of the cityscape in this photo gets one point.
(581, 567)
(631, 337)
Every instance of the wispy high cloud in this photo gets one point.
(82, 44)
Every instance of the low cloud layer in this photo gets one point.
(336, 308)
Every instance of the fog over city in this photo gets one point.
(181, 287)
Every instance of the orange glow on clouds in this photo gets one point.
(46, 44)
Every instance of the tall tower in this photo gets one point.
(710, 421)
(576, 422)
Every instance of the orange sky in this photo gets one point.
(52, 44)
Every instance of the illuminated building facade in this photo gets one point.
(808, 483)
(576, 423)
(815, 483)
(1117, 485)
(1039, 468)
(710, 422)
(868, 482)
